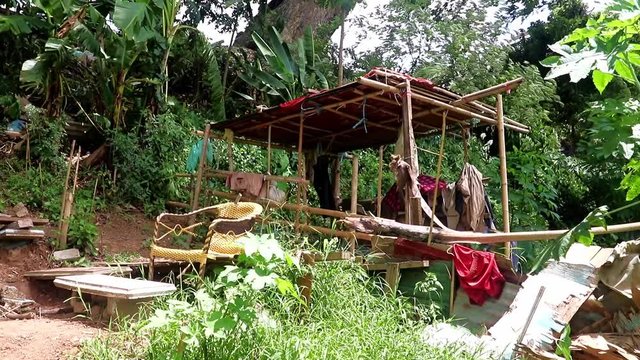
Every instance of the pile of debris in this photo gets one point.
(592, 296)
(19, 225)
(14, 305)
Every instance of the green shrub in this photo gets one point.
(46, 136)
(147, 160)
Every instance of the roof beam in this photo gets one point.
(443, 105)
(257, 126)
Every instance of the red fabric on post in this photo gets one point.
(478, 272)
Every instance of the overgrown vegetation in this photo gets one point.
(253, 310)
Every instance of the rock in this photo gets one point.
(66, 255)
(20, 210)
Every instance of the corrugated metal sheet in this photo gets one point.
(567, 287)
(479, 318)
(593, 255)
(442, 270)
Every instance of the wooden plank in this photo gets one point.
(115, 287)
(392, 277)
(413, 264)
(21, 234)
(50, 274)
(6, 219)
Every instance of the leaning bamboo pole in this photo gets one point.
(287, 206)
(503, 173)
(443, 137)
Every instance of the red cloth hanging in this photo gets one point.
(478, 272)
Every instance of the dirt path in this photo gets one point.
(42, 339)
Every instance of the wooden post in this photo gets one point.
(68, 205)
(465, 143)
(66, 179)
(443, 137)
(392, 277)
(306, 281)
(503, 172)
(229, 148)
(337, 196)
(379, 194)
(354, 185)
(269, 150)
(195, 202)
(300, 168)
(409, 149)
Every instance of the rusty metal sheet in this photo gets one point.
(567, 287)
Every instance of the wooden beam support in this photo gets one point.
(379, 188)
(503, 174)
(293, 116)
(443, 105)
(354, 185)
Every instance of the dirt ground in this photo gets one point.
(43, 338)
(53, 337)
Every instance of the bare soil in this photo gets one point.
(43, 338)
(55, 337)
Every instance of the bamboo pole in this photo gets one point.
(218, 136)
(465, 143)
(354, 184)
(66, 179)
(273, 204)
(470, 98)
(311, 229)
(372, 225)
(379, 192)
(503, 173)
(443, 137)
(337, 196)
(300, 166)
(312, 111)
(269, 150)
(225, 173)
(195, 201)
(413, 211)
(229, 149)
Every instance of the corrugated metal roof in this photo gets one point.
(567, 286)
(479, 318)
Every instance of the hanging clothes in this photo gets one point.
(247, 184)
(449, 205)
(479, 275)
(472, 191)
(426, 186)
(322, 183)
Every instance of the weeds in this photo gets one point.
(253, 311)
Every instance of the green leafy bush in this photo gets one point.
(146, 160)
(46, 136)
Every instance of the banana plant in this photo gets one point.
(283, 75)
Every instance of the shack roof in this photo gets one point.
(366, 113)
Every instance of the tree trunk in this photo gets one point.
(296, 15)
(340, 52)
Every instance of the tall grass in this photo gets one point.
(350, 317)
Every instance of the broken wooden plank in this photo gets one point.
(114, 287)
(6, 219)
(412, 264)
(21, 234)
(50, 274)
